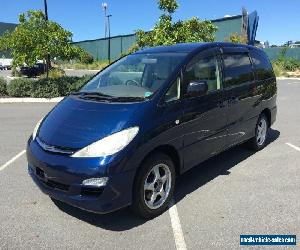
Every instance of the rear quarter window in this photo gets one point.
(237, 69)
(262, 65)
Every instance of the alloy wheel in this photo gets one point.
(261, 132)
(157, 186)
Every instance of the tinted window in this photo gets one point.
(238, 69)
(204, 69)
(262, 66)
(174, 91)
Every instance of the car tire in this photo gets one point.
(258, 142)
(154, 186)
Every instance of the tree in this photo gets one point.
(236, 38)
(167, 32)
(86, 58)
(35, 38)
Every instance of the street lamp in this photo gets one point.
(104, 7)
(107, 26)
(48, 62)
(108, 22)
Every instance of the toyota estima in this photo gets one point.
(147, 118)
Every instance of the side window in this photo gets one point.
(174, 91)
(237, 69)
(204, 69)
(262, 66)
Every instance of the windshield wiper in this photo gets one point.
(100, 96)
(90, 93)
(93, 95)
(128, 99)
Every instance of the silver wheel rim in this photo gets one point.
(261, 132)
(157, 186)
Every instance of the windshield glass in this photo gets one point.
(137, 75)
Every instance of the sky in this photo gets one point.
(279, 20)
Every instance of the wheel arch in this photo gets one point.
(169, 150)
(267, 113)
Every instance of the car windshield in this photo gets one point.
(134, 76)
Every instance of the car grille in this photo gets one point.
(54, 149)
(56, 185)
(52, 184)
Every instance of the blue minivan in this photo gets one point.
(146, 119)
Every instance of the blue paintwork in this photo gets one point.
(75, 123)
(207, 124)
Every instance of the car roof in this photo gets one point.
(190, 47)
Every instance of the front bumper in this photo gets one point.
(61, 176)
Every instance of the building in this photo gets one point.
(3, 28)
(294, 45)
(244, 24)
(7, 27)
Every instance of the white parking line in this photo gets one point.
(176, 226)
(12, 160)
(293, 146)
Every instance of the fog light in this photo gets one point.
(95, 182)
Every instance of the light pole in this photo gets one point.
(108, 22)
(48, 56)
(46, 9)
(104, 7)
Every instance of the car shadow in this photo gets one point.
(214, 167)
(190, 181)
(121, 220)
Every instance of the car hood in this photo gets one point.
(75, 123)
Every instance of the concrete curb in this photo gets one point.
(287, 78)
(12, 77)
(91, 70)
(30, 100)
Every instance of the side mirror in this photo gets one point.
(197, 88)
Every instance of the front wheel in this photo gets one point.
(154, 186)
(261, 133)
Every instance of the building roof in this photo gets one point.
(226, 18)
(6, 27)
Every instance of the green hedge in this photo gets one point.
(3, 87)
(46, 88)
(288, 63)
(19, 87)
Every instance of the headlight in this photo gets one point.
(36, 128)
(108, 145)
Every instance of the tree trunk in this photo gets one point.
(48, 65)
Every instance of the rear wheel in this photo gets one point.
(261, 133)
(154, 186)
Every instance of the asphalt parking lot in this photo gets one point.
(237, 192)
